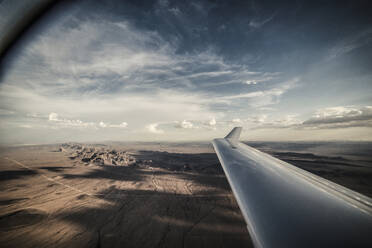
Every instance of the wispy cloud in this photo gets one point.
(259, 22)
(350, 43)
(68, 62)
(265, 97)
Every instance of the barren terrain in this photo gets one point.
(141, 195)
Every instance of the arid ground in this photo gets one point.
(144, 194)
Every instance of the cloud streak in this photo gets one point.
(258, 23)
(350, 43)
(55, 119)
(328, 118)
(341, 117)
(67, 123)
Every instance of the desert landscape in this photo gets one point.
(144, 194)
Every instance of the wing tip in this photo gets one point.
(234, 134)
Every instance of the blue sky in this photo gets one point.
(191, 70)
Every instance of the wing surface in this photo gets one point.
(285, 206)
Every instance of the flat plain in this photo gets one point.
(144, 194)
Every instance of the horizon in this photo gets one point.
(170, 71)
(206, 142)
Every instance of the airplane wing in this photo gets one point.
(285, 206)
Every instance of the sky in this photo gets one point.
(92, 71)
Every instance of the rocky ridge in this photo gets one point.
(98, 155)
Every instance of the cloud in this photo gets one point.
(160, 106)
(265, 77)
(258, 23)
(348, 44)
(185, 124)
(273, 92)
(74, 66)
(326, 118)
(68, 61)
(236, 120)
(251, 82)
(287, 121)
(35, 115)
(257, 119)
(102, 124)
(62, 122)
(25, 126)
(341, 117)
(175, 11)
(53, 117)
(212, 122)
(265, 97)
(207, 74)
(121, 125)
(108, 125)
(153, 128)
(192, 124)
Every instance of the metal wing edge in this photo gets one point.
(238, 150)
